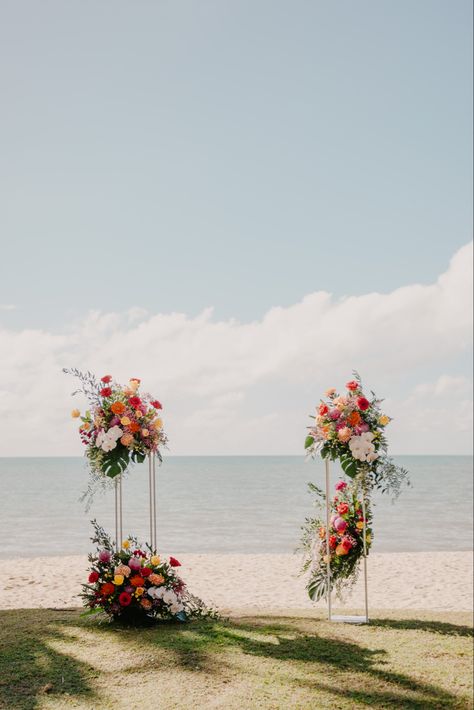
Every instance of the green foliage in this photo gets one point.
(115, 462)
(309, 441)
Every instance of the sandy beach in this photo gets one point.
(425, 581)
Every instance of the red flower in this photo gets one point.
(135, 402)
(137, 581)
(323, 409)
(342, 508)
(156, 404)
(352, 385)
(333, 542)
(363, 403)
(125, 599)
(107, 589)
(93, 577)
(145, 571)
(105, 392)
(106, 379)
(174, 562)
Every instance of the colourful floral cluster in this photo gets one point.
(133, 582)
(348, 427)
(121, 425)
(346, 543)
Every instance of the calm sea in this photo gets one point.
(224, 504)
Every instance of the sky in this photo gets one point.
(241, 201)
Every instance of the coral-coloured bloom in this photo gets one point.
(352, 385)
(127, 439)
(135, 402)
(118, 580)
(341, 485)
(137, 581)
(105, 392)
(333, 542)
(384, 420)
(342, 550)
(156, 404)
(330, 392)
(145, 433)
(360, 525)
(363, 403)
(75, 413)
(118, 408)
(174, 562)
(106, 379)
(134, 427)
(107, 589)
(323, 409)
(93, 577)
(322, 533)
(125, 599)
(354, 418)
(146, 604)
(342, 508)
(344, 434)
(156, 579)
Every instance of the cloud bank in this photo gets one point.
(247, 388)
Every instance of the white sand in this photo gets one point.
(414, 580)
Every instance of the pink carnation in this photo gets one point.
(341, 485)
(104, 556)
(334, 414)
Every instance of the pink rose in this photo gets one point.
(105, 556)
(341, 485)
(134, 563)
(340, 525)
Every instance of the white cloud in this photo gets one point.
(233, 387)
(7, 307)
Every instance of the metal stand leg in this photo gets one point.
(152, 497)
(364, 532)
(118, 512)
(328, 549)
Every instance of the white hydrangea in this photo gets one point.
(362, 448)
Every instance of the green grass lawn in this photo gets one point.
(56, 659)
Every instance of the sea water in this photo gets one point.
(234, 504)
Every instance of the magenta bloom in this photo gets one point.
(129, 589)
(340, 524)
(105, 556)
(334, 414)
(134, 563)
(114, 421)
(362, 428)
(341, 485)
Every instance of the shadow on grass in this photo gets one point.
(357, 672)
(30, 667)
(434, 627)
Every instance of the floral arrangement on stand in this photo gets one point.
(135, 585)
(121, 426)
(349, 428)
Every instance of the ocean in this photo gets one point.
(225, 504)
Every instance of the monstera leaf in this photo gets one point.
(115, 462)
(349, 466)
(318, 586)
(138, 457)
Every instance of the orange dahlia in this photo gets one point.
(118, 408)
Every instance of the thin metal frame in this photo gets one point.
(340, 618)
(152, 498)
(118, 512)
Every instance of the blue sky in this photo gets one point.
(173, 156)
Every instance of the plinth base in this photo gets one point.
(349, 619)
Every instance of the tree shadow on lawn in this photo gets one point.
(31, 667)
(201, 646)
(435, 627)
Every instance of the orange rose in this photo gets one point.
(118, 408)
(134, 427)
(341, 550)
(156, 579)
(354, 418)
(137, 581)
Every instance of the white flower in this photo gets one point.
(108, 445)
(156, 592)
(362, 448)
(169, 597)
(176, 607)
(114, 433)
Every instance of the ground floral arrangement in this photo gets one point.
(121, 427)
(349, 428)
(134, 584)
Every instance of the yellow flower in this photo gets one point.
(384, 420)
(360, 525)
(155, 560)
(145, 432)
(118, 580)
(368, 538)
(86, 426)
(158, 423)
(139, 591)
(125, 421)
(125, 545)
(75, 413)
(138, 413)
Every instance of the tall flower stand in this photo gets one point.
(152, 505)
(364, 619)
